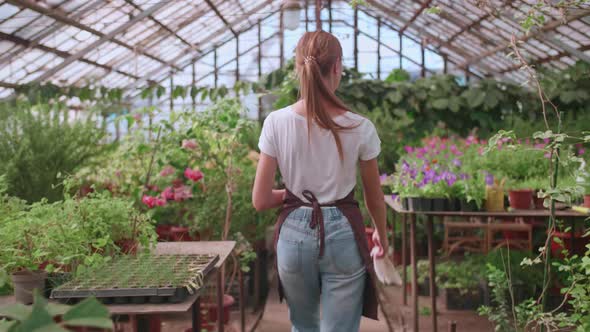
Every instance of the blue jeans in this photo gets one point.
(337, 279)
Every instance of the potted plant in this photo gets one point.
(461, 282)
(471, 192)
(520, 195)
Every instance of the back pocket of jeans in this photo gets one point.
(289, 255)
(346, 258)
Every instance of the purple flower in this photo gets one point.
(463, 176)
(457, 162)
(489, 179)
(408, 149)
(394, 197)
(451, 178)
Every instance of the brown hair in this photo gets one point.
(316, 54)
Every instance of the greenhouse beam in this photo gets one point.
(281, 40)
(525, 37)
(330, 16)
(68, 21)
(378, 48)
(229, 26)
(63, 54)
(237, 58)
(415, 16)
(318, 15)
(306, 15)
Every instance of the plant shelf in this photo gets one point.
(140, 279)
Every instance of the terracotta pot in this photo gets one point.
(25, 282)
(520, 199)
(587, 201)
(127, 246)
(163, 232)
(211, 307)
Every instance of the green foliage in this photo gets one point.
(398, 75)
(38, 143)
(41, 316)
(465, 275)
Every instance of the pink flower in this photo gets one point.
(118, 173)
(581, 151)
(137, 117)
(152, 201)
(189, 144)
(167, 170)
(182, 193)
(408, 149)
(167, 194)
(193, 174)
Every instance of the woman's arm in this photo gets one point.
(264, 197)
(374, 199)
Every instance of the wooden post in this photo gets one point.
(281, 40)
(379, 47)
(215, 73)
(356, 33)
(400, 50)
(467, 75)
(432, 271)
(404, 260)
(318, 15)
(414, 273)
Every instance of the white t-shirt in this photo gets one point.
(316, 165)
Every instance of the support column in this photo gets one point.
(237, 58)
(422, 62)
(193, 84)
(171, 88)
(330, 16)
(260, 69)
(445, 65)
(306, 15)
(401, 44)
(281, 40)
(356, 34)
(467, 74)
(318, 15)
(378, 48)
(215, 69)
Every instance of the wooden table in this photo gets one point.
(140, 313)
(396, 207)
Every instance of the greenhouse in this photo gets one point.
(294, 165)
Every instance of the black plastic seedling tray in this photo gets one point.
(125, 280)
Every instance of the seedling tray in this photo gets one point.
(140, 279)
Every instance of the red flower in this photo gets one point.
(182, 193)
(167, 194)
(193, 174)
(152, 201)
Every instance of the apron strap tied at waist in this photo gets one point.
(317, 218)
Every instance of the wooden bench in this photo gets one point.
(483, 237)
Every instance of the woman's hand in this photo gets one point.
(374, 199)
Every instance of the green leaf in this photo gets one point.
(99, 322)
(16, 311)
(39, 317)
(89, 308)
(440, 104)
(7, 326)
(160, 91)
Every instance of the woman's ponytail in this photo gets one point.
(317, 52)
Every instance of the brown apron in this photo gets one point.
(350, 209)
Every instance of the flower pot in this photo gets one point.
(420, 204)
(438, 204)
(470, 206)
(163, 232)
(579, 243)
(25, 282)
(412, 203)
(494, 199)
(453, 204)
(405, 204)
(211, 307)
(369, 233)
(587, 201)
(520, 199)
(470, 299)
(179, 233)
(127, 246)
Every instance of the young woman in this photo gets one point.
(317, 143)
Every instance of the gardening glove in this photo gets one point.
(384, 269)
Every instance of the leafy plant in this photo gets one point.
(43, 316)
(38, 143)
(464, 276)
